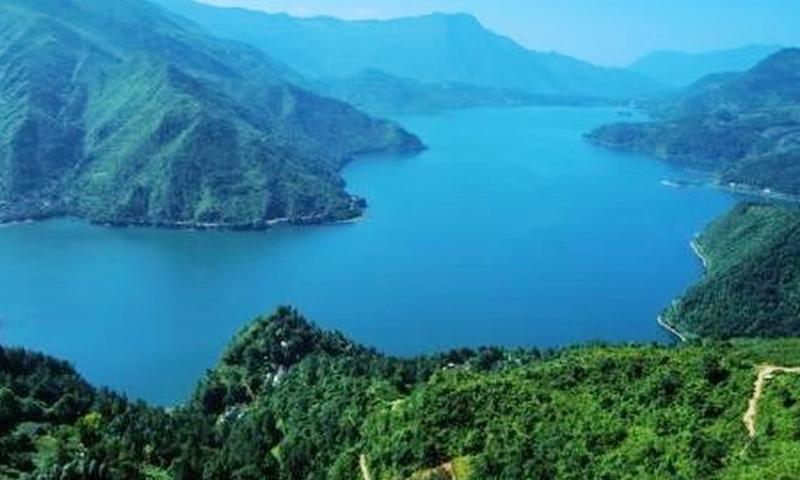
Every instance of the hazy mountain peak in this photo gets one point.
(681, 69)
(433, 48)
(458, 18)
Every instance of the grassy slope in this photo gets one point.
(126, 114)
(752, 284)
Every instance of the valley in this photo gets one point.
(525, 265)
(493, 225)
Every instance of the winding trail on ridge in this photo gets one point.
(362, 462)
(765, 373)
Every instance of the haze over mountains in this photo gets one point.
(679, 69)
(384, 94)
(124, 113)
(127, 114)
(437, 48)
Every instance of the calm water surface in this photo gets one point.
(510, 230)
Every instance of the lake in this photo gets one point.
(510, 230)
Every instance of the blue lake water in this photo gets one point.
(510, 230)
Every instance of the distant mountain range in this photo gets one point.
(679, 69)
(125, 113)
(432, 49)
(745, 127)
(121, 112)
(384, 94)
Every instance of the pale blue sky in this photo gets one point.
(610, 32)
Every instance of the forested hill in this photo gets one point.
(121, 112)
(753, 278)
(289, 401)
(745, 127)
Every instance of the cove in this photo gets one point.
(511, 230)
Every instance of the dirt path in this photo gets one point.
(362, 462)
(765, 373)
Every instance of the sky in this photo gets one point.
(606, 32)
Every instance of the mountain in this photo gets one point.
(681, 69)
(124, 113)
(752, 278)
(289, 401)
(383, 94)
(437, 48)
(745, 127)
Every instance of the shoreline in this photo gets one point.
(16, 223)
(10, 224)
(669, 328)
(763, 193)
(698, 251)
(350, 221)
(307, 221)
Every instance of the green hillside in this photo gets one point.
(123, 113)
(745, 127)
(752, 286)
(289, 401)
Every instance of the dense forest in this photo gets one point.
(124, 113)
(744, 127)
(290, 401)
(753, 276)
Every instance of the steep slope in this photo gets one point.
(436, 48)
(289, 401)
(681, 69)
(123, 113)
(753, 277)
(745, 127)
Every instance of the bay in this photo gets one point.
(511, 230)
